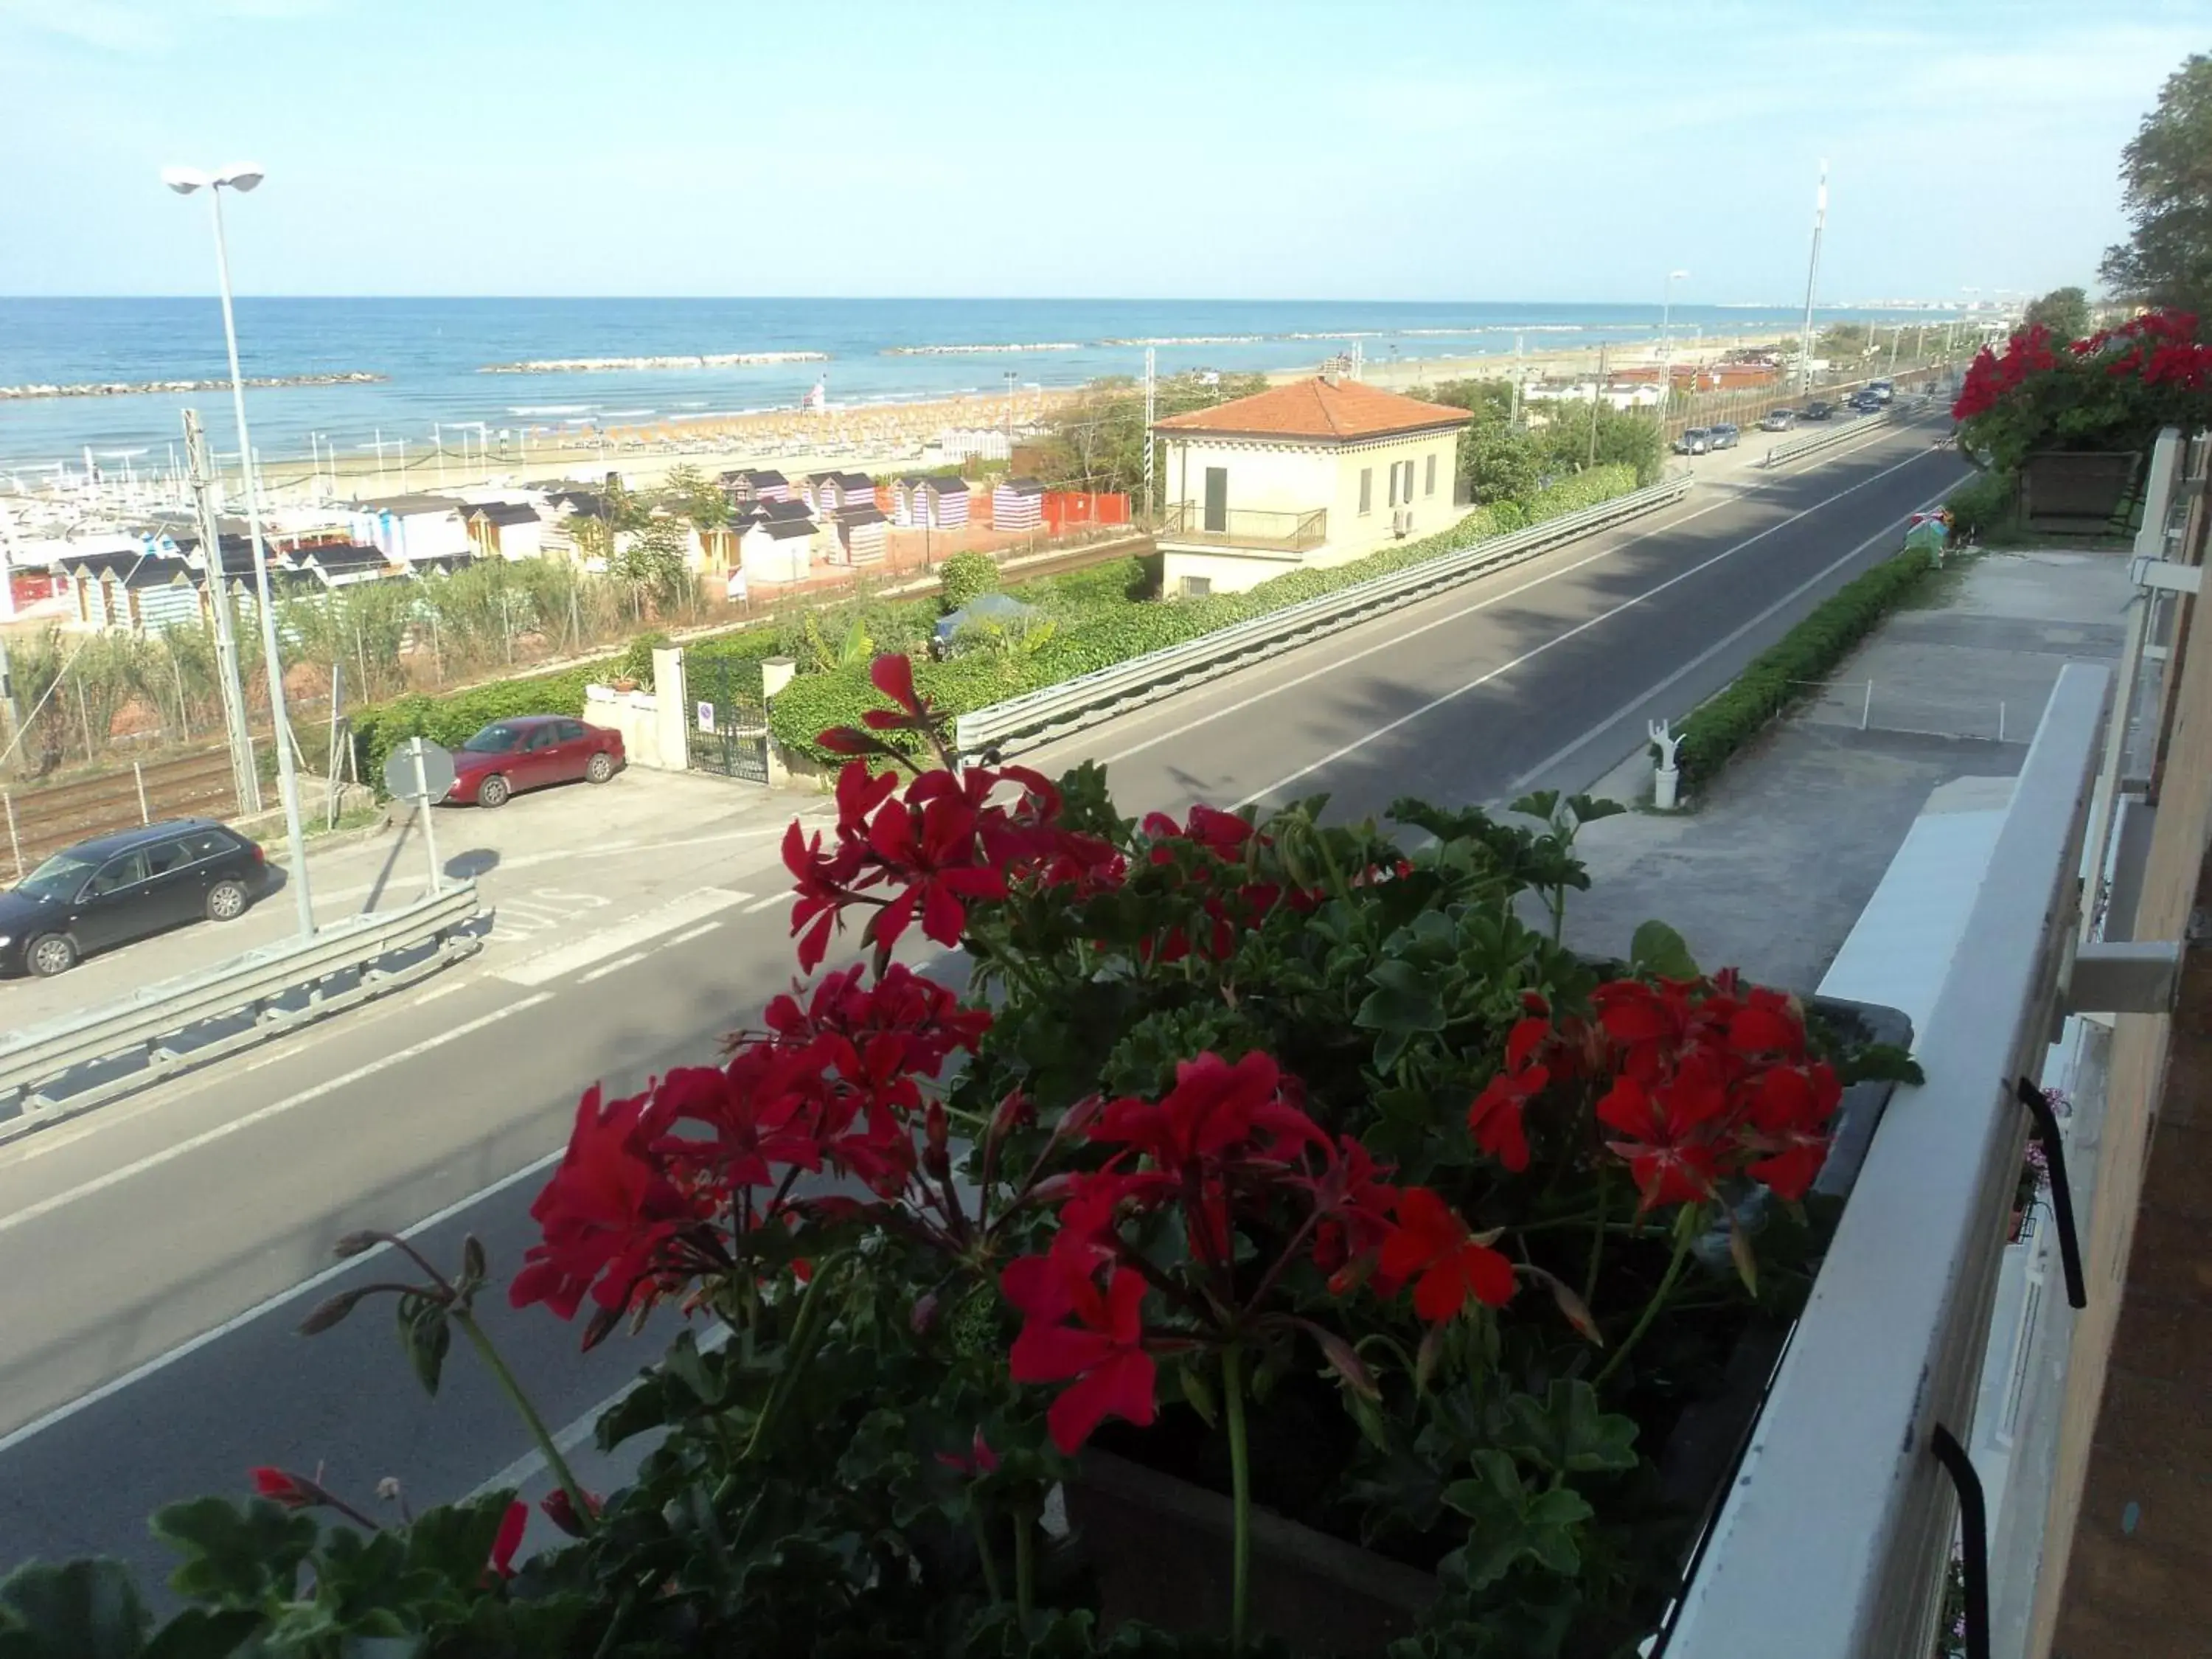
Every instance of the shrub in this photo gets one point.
(454, 718)
(1097, 628)
(1778, 677)
(1983, 502)
(966, 576)
(637, 660)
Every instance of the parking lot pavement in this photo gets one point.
(553, 867)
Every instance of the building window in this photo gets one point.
(1430, 488)
(1197, 588)
(1367, 490)
(1394, 484)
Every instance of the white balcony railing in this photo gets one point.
(1837, 1532)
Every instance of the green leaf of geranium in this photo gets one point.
(81, 1610)
(234, 1555)
(1655, 948)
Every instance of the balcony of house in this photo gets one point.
(1986, 1435)
(1239, 529)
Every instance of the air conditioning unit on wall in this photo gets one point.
(1401, 521)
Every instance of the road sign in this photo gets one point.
(422, 772)
(417, 771)
(705, 717)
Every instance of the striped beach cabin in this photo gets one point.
(862, 534)
(1017, 504)
(757, 485)
(944, 503)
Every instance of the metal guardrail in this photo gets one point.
(1815, 442)
(1834, 1538)
(148, 1027)
(1091, 697)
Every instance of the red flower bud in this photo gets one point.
(936, 1159)
(562, 1513)
(287, 1490)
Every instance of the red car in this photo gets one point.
(528, 752)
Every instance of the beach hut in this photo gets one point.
(410, 527)
(944, 503)
(757, 485)
(776, 549)
(504, 530)
(862, 534)
(1017, 504)
(343, 565)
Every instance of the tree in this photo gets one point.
(1487, 400)
(2063, 311)
(2166, 168)
(1096, 440)
(1842, 340)
(652, 563)
(1623, 438)
(692, 497)
(1500, 463)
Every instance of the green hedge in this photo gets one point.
(454, 718)
(1777, 677)
(1107, 627)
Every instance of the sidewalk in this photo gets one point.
(554, 865)
(1773, 869)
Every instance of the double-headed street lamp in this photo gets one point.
(242, 178)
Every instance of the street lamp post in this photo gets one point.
(1666, 346)
(184, 181)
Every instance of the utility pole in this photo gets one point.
(243, 777)
(1010, 378)
(1598, 391)
(1812, 282)
(15, 713)
(1151, 414)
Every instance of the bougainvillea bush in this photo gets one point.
(2111, 391)
(1263, 1151)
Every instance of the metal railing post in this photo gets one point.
(138, 777)
(14, 847)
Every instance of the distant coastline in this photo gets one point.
(139, 388)
(616, 365)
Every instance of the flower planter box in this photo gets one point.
(1160, 1545)
(2076, 490)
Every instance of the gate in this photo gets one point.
(728, 727)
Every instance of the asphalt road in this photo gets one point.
(159, 1253)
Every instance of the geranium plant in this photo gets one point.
(1258, 1149)
(2111, 391)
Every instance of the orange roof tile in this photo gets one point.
(1316, 408)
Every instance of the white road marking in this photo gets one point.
(1583, 627)
(238, 1322)
(1520, 783)
(691, 933)
(768, 903)
(623, 936)
(222, 1131)
(615, 967)
(1277, 688)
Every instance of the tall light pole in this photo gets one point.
(1667, 345)
(184, 181)
(1812, 283)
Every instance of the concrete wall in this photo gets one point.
(1224, 573)
(1351, 532)
(1265, 477)
(637, 716)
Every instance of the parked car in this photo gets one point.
(1863, 403)
(1778, 419)
(1884, 391)
(1725, 435)
(114, 889)
(1817, 410)
(529, 752)
(1694, 441)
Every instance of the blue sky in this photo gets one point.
(1570, 150)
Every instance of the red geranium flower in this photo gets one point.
(511, 1526)
(1103, 1352)
(1495, 1117)
(288, 1490)
(1432, 1242)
